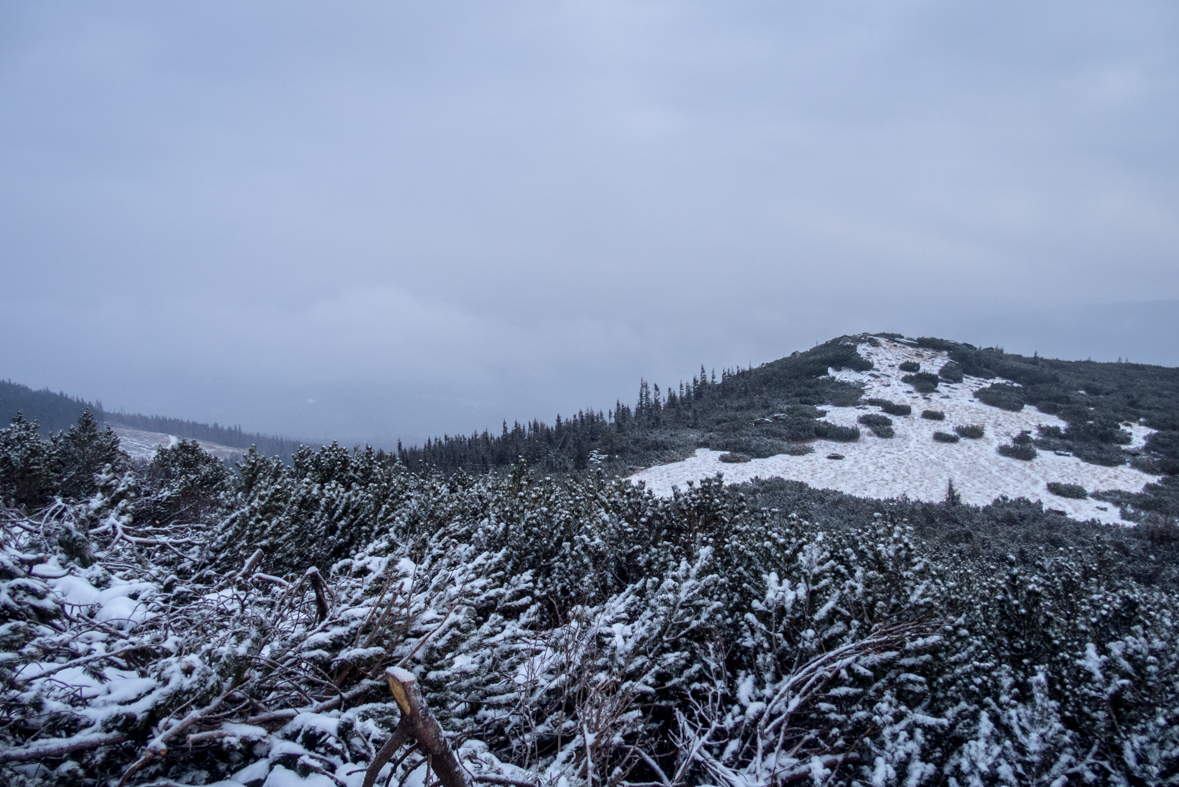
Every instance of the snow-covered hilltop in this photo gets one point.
(912, 463)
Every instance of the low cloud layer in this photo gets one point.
(369, 223)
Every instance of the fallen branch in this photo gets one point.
(502, 780)
(60, 747)
(251, 563)
(77, 663)
(287, 714)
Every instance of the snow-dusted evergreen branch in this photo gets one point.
(181, 625)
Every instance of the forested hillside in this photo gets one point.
(179, 623)
(664, 424)
(52, 411)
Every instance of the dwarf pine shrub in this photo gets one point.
(951, 372)
(837, 433)
(577, 629)
(1023, 451)
(1074, 491)
(881, 425)
(922, 382)
(892, 408)
(1002, 395)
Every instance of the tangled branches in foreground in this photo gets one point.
(182, 625)
(128, 666)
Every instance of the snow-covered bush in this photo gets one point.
(951, 372)
(1074, 491)
(1023, 451)
(922, 382)
(1002, 395)
(837, 433)
(881, 425)
(571, 631)
(892, 408)
(757, 446)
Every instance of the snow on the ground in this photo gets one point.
(142, 445)
(1138, 435)
(911, 463)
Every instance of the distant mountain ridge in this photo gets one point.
(55, 412)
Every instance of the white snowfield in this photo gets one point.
(142, 445)
(911, 464)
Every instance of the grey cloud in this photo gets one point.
(433, 216)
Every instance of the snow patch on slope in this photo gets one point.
(911, 464)
(142, 445)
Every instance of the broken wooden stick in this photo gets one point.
(321, 602)
(417, 722)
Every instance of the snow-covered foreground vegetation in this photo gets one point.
(911, 462)
(174, 623)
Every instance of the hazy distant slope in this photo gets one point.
(57, 411)
(228, 436)
(142, 445)
(775, 410)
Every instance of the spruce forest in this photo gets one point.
(510, 609)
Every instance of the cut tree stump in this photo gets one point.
(419, 724)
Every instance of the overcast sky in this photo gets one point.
(367, 221)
